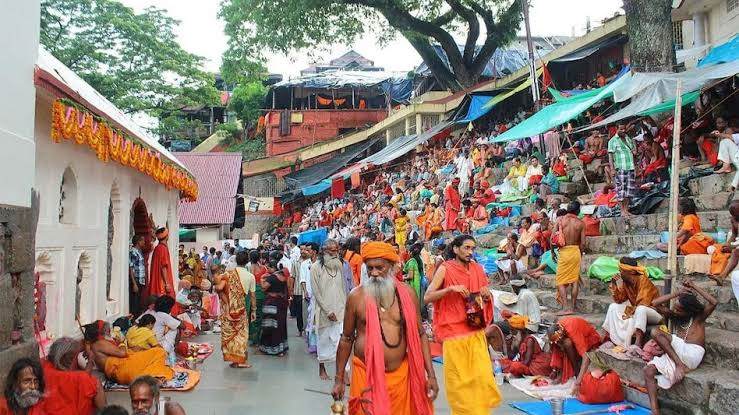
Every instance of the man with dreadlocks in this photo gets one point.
(70, 391)
(684, 349)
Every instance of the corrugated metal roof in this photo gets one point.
(218, 176)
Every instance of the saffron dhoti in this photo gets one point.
(568, 266)
(470, 386)
(398, 389)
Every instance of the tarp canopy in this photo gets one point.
(503, 96)
(397, 86)
(476, 108)
(317, 172)
(726, 52)
(403, 145)
(584, 52)
(649, 89)
(564, 94)
(688, 99)
(503, 62)
(556, 114)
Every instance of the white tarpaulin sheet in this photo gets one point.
(653, 88)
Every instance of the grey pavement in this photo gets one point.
(276, 386)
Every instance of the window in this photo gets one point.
(731, 5)
(677, 34)
(68, 198)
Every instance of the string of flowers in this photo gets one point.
(70, 122)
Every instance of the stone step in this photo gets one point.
(714, 201)
(711, 221)
(709, 185)
(708, 390)
(620, 244)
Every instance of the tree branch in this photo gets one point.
(434, 62)
(493, 39)
(444, 19)
(474, 29)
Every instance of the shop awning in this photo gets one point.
(558, 113)
(584, 52)
(317, 172)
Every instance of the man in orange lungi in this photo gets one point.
(392, 374)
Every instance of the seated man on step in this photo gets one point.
(683, 350)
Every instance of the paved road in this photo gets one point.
(274, 386)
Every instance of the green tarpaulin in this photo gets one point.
(558, 113)
(186, 234)
(688, 99)
(605, 267)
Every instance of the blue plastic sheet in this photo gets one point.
(316, 188)
(725, 52)
(318, 236)
(573, 406)
(477, 108)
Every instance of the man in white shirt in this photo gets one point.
(294, 250)
(311, 251)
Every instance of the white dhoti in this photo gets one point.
(328, 342)
(621, 330)
(690, 354)
(506, 265)
(728, 152)
(523, 183)
(735, 284)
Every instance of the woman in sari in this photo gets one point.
(258, 270)
(233, 288)
(273, 339)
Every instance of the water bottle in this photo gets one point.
(498, 371)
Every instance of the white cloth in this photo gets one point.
(295, 253)
(328, 341)
(506, 264)
(528, 305)
(735, 284)
(621, 330)
(690, 354)
(305, 277)
(728, 152)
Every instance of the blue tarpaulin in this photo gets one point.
(503, 62)
(318, 236)
(316, 188)
(398, 87)
(477, 108)
(726, 52)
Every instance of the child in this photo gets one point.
(401, 228)
(141, 336)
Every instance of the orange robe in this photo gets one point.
(450, 311)
(69, 392)
(583, 336)
(538, 366)
(452, 204)
(37, 409)
(698, 242)
(160, 258)
(150, 362)
(355, 264)
(643, 293)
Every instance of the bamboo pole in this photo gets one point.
(674, 190)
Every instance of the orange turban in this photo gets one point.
(373, 250)
(518, 322)
(162, 233)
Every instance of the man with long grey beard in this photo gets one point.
(391, 367)
(329, 293)
(24, 389)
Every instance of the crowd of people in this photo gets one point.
(399, 272)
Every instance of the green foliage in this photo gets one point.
(132, 59)
(175, 127)
(250, 149)
(231, 129)
(258, 26)
(247, 101)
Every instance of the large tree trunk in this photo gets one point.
(649, 25)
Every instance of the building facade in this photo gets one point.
(93, 202)
(700, 24)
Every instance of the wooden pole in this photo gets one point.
(674, 190)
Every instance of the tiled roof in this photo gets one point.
(218, 176)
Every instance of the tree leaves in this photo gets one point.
(284, 26)
(132, 59)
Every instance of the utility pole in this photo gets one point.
(532, 60)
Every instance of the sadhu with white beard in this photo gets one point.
(391, 367)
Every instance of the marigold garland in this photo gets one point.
(71, 123)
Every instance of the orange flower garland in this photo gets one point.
(71, 123)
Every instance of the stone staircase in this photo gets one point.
(713, 388)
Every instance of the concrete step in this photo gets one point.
(714, 201)
(621, 244)
(710, 185)
(708, 390)
(711, 221)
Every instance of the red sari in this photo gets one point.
(452, 204)
(583, 336)
(159, 259)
